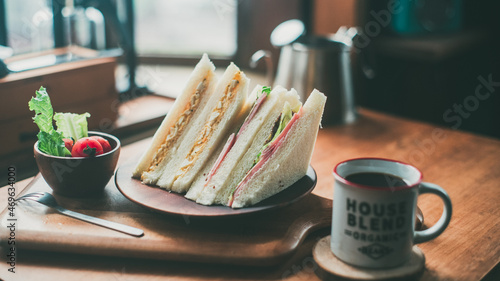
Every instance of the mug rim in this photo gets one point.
(378, 188)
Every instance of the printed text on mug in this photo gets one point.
(375, 217)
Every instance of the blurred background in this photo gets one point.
(436, 61)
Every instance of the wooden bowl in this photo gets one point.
(79, 176)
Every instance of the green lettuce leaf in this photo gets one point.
(265, 90)
(52, 144)
(43, 110)
(285, 117)
(49, 140)
(72, 125)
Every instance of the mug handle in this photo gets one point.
(440, 226)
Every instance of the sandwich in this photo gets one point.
(215, 160)
(185, 112)
(241, 148)
(219, 147)
(205, 134)
(270, 152)
(285, 159)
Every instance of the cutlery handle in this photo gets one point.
(104, 223)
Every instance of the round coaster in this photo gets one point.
(333, 268)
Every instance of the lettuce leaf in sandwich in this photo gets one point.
(285, 117)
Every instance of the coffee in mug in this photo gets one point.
(381, 180)
(374, 207)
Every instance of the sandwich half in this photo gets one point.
(186, 109)
(226, 169)
(237, 159)
(215, 159)
(285, 159)
(205, 135)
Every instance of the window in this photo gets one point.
(162, 28)
(185, 27)
(29, 24)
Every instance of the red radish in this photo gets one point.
(68, 143)
(106, 147)
(86, 147)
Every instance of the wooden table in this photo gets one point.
(466, 165)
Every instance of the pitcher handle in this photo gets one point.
(267, 56)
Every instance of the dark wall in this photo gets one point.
(450, 79)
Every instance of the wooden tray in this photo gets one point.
(264, 238)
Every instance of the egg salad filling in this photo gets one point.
(213, 121)
(176, 130)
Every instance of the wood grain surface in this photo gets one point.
(264, 238)
(466, 165)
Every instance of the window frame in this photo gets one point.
(3, 24)
(252, 32)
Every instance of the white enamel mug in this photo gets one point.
(374, 226)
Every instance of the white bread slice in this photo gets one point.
(203, 138)
(233, 170)
(155, 154)
(290, 161)
(199, 182)
(262, 137)
(263, 120)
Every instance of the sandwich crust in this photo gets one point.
(201, 179)
(179, 126)
(203, 138)
(185, 111)
(240, 158)
(207, 131)
(290, 160)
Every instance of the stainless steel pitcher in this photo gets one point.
(323, 63)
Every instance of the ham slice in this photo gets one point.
(255, 108)
(266, 155)
(232, 138)
(227, 147)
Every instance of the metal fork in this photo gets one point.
(48, 200)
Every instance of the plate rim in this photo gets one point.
(311, 174)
